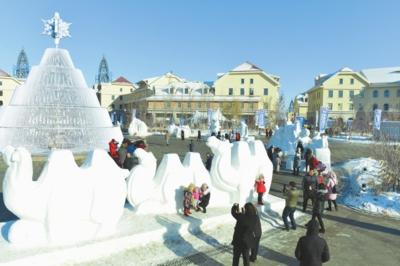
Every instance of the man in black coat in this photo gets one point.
(312, 250)
(244, 237)
(257, 233)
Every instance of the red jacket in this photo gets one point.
(314, 163)
(113, 149)
(260, 186)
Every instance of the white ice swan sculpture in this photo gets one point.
(67, 203)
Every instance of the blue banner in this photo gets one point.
(261, 118)
(377, 119)
(209, 114)
(323, 118)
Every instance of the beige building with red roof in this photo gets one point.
(114, 95)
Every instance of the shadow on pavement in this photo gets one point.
(276, 256)
(181, 247)
(363, 225)
(5, 214)
(195, 230)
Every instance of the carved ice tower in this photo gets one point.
(55, 108)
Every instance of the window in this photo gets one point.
(330, 93)
(1, 93)
(251, 91)
(120, 89)
(131, 90)
(375, 94)
(120, 98)
(1, 83)
(205, 91)
(340, 106)
(230, 91)
(113, 97)
(351, 107)
(186, 91)
(362, 93)
(386, 94)
(266, 91)
(340, 81)
(242, 91)
(386, 107)
(242, 81)
(340, 94)
(351, 81)
(375, 106)
(171, 90)
(398, 93)
(251, 81)
(330, 105)
(1, 103)
(112, 106)
(351, 93)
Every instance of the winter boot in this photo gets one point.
(186, 212)
(204, 210)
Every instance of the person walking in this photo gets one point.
(332, 190)
(309, 188)
(319, 206)
(296, 162)
(122, 152)
(182, 134)
(277, 159)
(167, 137)
(244, 237)
(311, 249)
(307, 156)
(301, 147)
(191, 146)
(292, 194)
(198, 135)
(208, 163)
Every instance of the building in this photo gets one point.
(383, 92)
(336, 92)
(7, 87)
(159, 99)
(249, 83)
(112, 94)
(300, 105)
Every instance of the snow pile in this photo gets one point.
(67, 203)
(367, 171)
(138, 128)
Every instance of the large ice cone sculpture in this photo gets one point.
(55, 108)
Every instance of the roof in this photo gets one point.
(4, 74)
(246, 66)
(382, 75)
(121, 79)
(321, 78)
(149, 81)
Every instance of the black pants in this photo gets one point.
(260, 196)
(289, 211)
(330, 204)
(306, 196)
(296, 170)
(237, 251)
(254, 251)
(319, 217)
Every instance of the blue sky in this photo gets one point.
(198, 39)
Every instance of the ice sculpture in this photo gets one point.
(236, 166)
(137, 128)
(320, 148)
(176, 131)
(54, 108)
(67, 203)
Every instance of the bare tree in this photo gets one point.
(362, 122)
(388, 153)
(278, 115)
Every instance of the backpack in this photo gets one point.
(334, 190)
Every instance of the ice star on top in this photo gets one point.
(56, 28)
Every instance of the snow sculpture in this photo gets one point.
(140, 180)
(235, 167)
(244, 131)
(215, 126)
(320, 148)
(137, 128)
(67, 203)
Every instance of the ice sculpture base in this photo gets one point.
(133, 231)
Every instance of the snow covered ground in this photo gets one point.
(366, 171)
